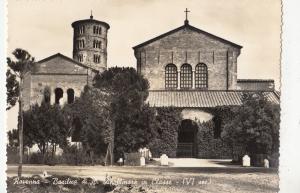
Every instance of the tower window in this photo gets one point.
(186, 76)
(96, 58)
(80, 57)
(80, 44)
(171, 76)
(81, 29)
(97, 30)
(97, 44)
(201, 76)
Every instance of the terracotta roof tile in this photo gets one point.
(165, 98)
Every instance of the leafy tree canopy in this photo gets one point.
(128, 91)
(92, 111)
(255, 125)
(17, 70)
(45, 124)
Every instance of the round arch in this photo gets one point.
(201, 76)
(186, 76)
(187, 138)
(171, 76)
(71, 95)
(58, 95)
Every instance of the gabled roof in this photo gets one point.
(204, 99)
(66, 58)
(186, 25)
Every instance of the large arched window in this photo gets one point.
(201, 76)
(186, 76)
(70, 93)
(47, 95)
(58, 95)
(171, 76)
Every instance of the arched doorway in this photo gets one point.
(70, 93)
(58, 95)
(187, 139)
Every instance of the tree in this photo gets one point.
(128, 91)
(12, 92)
(92, 112)
(13, 141)
(45, 125)
(254, 126)
(18, 70)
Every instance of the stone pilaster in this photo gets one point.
(64, 99)
(193, 79)
(178, 80)
(52, 97)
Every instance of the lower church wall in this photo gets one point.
(209, 146)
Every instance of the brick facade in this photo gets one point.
(255, 84)
(190, 45)
(56, 71)
(59, 71)
(93, 34)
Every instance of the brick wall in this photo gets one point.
(255, 84)
(88, 37)
(56, 72)
(189, 46)
(39, 82)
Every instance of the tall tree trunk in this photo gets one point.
(112, 143)
(107, 154)
(20, 129)
(53, 146)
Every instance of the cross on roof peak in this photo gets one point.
(186, 22)
(91, 17)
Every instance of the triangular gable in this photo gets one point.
(60, 64)
(191, 28)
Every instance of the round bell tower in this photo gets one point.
(90, 43)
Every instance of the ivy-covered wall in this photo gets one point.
(210, 147)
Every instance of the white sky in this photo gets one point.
(43, 27)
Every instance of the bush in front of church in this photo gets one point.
(209, 145)
(166, 129)
(255, 127)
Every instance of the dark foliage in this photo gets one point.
(45, 126)
(17, 70)
(90, 113)
(12, 86)
(254, 126)
(210, 146)
(166, 132)
(132, 119)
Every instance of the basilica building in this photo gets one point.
(187, 68)
(196, 71)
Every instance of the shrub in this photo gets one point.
(167, 122)
(12, 155)
(208, 146)
(73, 155)
(36, 158)
(132, 159)
(254, 126)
